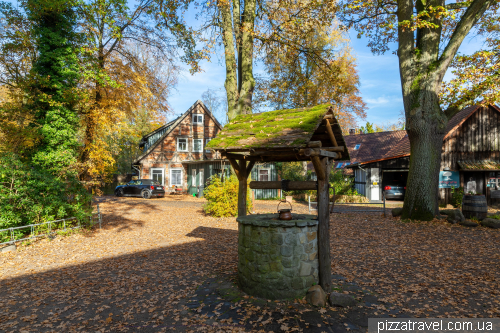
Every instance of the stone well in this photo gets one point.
(277, 259)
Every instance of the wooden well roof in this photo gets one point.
(283, 132)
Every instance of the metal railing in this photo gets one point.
(350, 203)
(50, 230)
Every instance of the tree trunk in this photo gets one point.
(426, 125)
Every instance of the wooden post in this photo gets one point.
(325, 269)
(242, 188)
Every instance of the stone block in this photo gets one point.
(301, 223)
(342, 300)
(313, 256)
(264, 268)
(296, 230)
(291, 239)
(250, 256)
(289, 272)
(297, 283)
(286, 251)
(273, 276)
(304, 257)
(309, 247)
(255, 247)
(242, 250)
(311, 236)
(277, 239)
(287, 262)
(310, 281)
(305, 269)
(274, 254)
(255, 238)
(246, 242)
(256, 277)
(316, 296)
(265, 238)
(262, 258)
(302, 238)
(248, 230)
(275, 266)
(298, 250)
(316, 274)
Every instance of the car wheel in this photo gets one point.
(119, 192)
(146, 194)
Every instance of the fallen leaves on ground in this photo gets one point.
(138, 272)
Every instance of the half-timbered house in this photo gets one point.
(175, 154)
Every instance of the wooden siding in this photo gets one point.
(273, 176)
(476, 139)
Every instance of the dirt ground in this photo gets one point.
(161, 265)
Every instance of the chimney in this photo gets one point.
(352, 131)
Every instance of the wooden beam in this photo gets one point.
(242, 189)
(309, 152)
(235, 167)
(314, 144)
(330, 133)
(292, 185)
(250, 167)
(324, 261)
(318, 167)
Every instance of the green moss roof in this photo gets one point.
(291, 128)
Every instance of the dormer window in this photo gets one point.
(197, 119)
(339, 165)
(357, 146)
(346, 164)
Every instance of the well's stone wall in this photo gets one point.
(277, 259)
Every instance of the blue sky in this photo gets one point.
(379, 76)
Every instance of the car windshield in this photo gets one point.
(134, 182)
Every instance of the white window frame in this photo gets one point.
(207, 140)
(268, 174)
(187, 148)
(195, 116)
(162, 174)
(170, 178)
(201, 146)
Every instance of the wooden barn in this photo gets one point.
(470, 155)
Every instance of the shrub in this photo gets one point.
(30, 195)
(457, 195)
(343, 185)
(222, 196)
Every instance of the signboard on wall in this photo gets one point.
(449, 179)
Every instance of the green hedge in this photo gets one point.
(222, 196)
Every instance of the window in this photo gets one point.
(197, 145)
(197, 119)
(357, 146)
(182, 144)
(346, 164)
(157, 175)
(339, 165)
(193, 177)
(176, 177)
(207, 140)
(264, 175)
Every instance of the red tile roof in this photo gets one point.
(388, 145)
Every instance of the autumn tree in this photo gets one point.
(428, 35)
(248, 28)
(295, 79)
(116, 79)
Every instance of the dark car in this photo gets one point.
(394, 191)
(145, 188)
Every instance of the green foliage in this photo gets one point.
(343, 185)
(222, 196)
(457, 195)
(293, 171)
(368, 128)
(52, 93)
(30, 194)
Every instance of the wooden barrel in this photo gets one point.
(474, 206)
